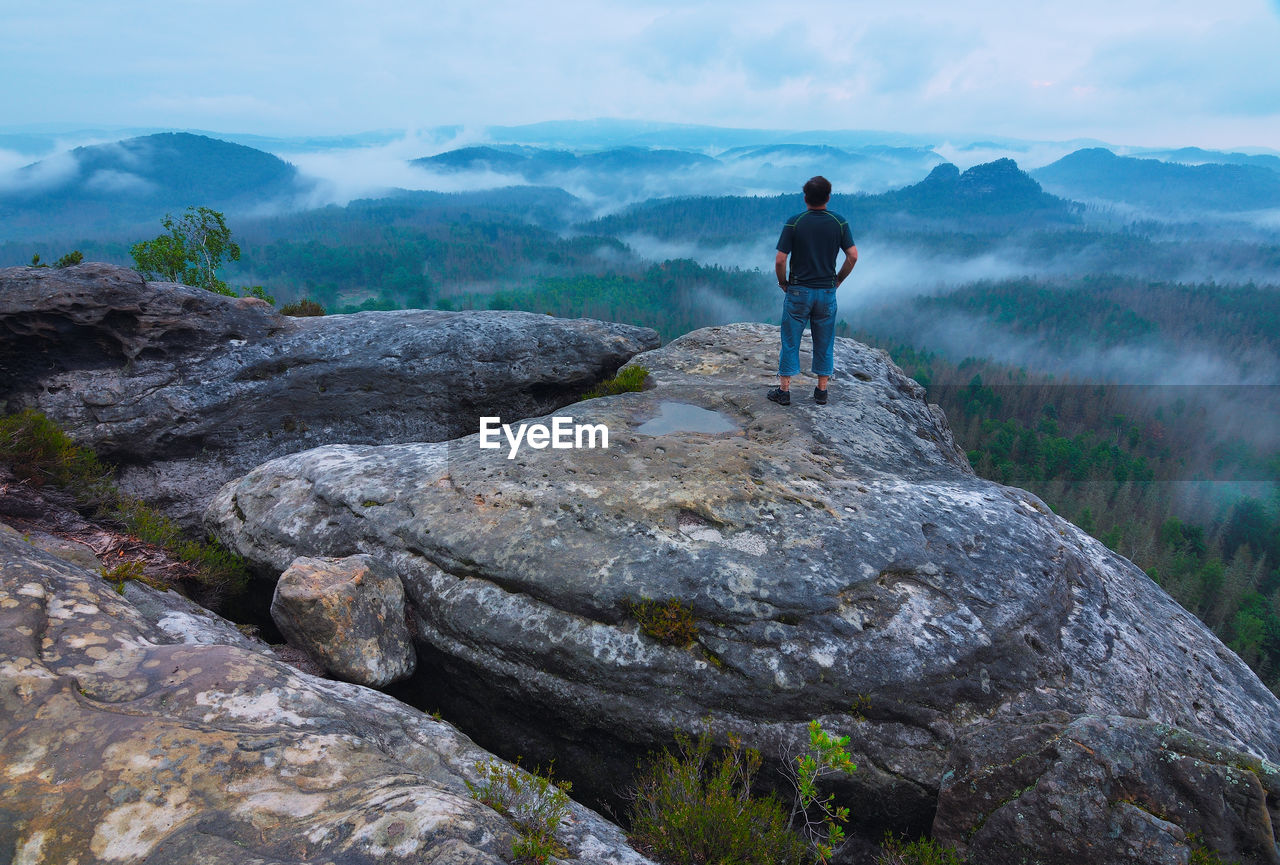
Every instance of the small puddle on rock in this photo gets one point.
(681, 417)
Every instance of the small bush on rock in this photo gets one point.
(530, 800)
(669, 621)
(302, 308)
(1202, 855)
(256, 291)
(39, 453)
(922, 851)
(220, 571)
(691, 807)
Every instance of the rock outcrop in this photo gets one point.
(1059, 790)
(142, 729)
(348, 615)
(841, 563)
(187, 389)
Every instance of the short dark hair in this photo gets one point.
(817, 190)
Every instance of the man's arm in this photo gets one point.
(780, 269)
(850, 259)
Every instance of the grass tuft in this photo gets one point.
(628, 379)
(40, 453)
(302, 308)
(533, 801)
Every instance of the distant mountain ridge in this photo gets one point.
(992, 189)
(992, 197)
(1165, 187)
(1200, 156)
(534, 163)
(656, 172)
(113, 191)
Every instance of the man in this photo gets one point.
(811, 239)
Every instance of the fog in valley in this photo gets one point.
(1081, 263)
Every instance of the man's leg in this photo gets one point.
(795, 314)
(823, 324)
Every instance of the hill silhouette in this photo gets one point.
(107, 188)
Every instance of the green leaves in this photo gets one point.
(819, 819)
(533, 801)
(191, 252)
(694, 805)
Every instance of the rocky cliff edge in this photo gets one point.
(840, 562)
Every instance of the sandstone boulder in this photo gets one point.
(839, 562)
(187, 389)
(141, 729)
(348, 615)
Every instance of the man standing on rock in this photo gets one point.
(812, 240)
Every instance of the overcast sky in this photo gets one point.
(1139, 72)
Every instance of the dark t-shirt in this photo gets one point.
(812, 239)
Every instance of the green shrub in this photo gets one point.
(669, 621)
(688, 807)
(39, 452)
(530, 800)
(302, 308)
(1202, 855)
(922, 851)
(117, 575)
(71, 258)
(133, 569)
(628, 379)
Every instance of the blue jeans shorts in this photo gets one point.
(815, 307)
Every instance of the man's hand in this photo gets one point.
(850, 259)
(780, 269)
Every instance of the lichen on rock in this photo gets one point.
(137, 728)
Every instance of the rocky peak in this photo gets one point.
(839, 562)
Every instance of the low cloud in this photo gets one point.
(20, 174)
(342, 175)
(109, 181)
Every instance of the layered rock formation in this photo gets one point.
(142, 729)
(187, 389)
(841, 563)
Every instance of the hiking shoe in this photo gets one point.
(780, 396)
(819, 396)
